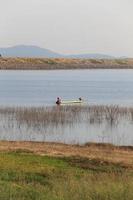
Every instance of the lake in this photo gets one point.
(41, 88)
(37, 88)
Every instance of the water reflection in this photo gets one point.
(69, 125)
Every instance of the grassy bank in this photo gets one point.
(24, 175)
(56, 63)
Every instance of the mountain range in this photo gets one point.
(35, 51)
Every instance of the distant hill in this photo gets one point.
(89, 56)
(28, 51)
(34, 51)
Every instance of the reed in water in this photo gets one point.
(65, 115)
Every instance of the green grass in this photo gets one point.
(121, 61)
(24, 176)
(97, 61)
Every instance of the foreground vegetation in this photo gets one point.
(62, 63)
(26, 176)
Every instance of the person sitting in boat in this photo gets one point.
(58, 102)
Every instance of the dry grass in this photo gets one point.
(101, 152)
(63, 63)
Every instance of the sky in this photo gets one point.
(69, 26)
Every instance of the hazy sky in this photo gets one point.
(69, 26)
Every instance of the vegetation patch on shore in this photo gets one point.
(25, 176)
(63, 63)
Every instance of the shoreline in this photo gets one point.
(122, 155)
(63, 64)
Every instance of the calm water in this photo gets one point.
(37, 88)
(42, 87)
(120, 133)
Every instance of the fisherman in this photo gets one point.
(58, 102)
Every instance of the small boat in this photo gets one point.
(70, 102)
